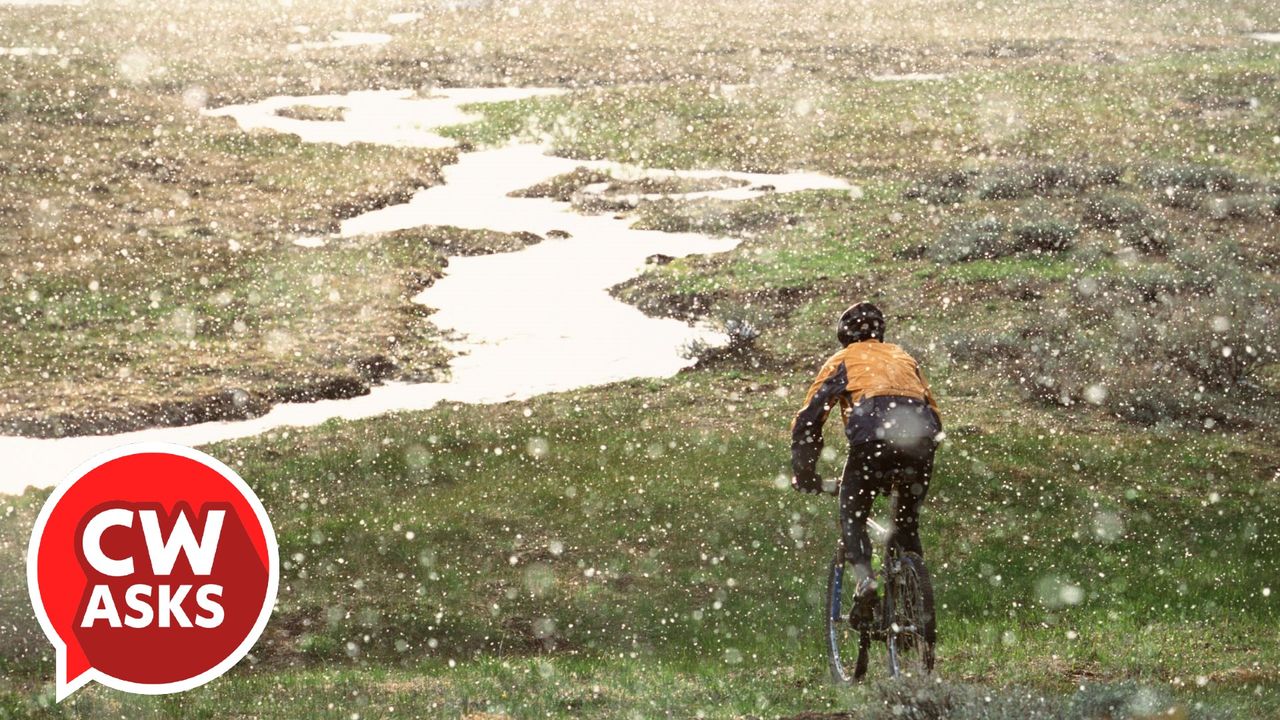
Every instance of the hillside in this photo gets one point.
(1073, 227)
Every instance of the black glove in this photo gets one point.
(808, 483)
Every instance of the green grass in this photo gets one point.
(634, 550)
(1117, 113)
(797, 261)
(564, 687)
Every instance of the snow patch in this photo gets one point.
(386, 117)
(404, 18)
(310, 242)
(547, 304)
(28, 51)
(341, 39)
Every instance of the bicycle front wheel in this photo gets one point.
(848, 644)
(910, 624)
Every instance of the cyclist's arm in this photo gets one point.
(806, 429)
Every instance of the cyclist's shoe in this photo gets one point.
(864, 603)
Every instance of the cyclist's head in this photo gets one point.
(863, 321)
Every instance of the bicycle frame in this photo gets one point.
(896, 585)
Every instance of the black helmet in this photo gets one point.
(860, 322)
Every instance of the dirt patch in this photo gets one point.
(671, 185)
(652, 294)
(416, 684)
(1209, 106)
(718, 217)
(621, 196)
(1244, 676)
(229, 404)
(362, 204)
(563, 187)
(312, 113)
(744, 316)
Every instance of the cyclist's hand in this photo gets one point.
(810, 483)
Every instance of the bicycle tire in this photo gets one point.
(837, 627)
(908, 603)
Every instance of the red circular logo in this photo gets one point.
(153, 569)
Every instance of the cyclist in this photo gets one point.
(892, 422)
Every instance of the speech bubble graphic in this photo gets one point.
(152, 569)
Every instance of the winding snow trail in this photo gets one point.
(522, 323)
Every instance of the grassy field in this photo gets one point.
(544, 556)
(149, 264)
(1075, 231)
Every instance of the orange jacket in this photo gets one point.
(873, 368)
(865, 369)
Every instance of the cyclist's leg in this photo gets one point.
(910, 487)
(858, 488)
(914, 468)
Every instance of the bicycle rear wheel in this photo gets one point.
(910, 624)
(847, 645)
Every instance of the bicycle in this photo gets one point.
(903, 617)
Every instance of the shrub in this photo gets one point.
(1019, 181)
(1011, 182)
(1206, 269)
(1224, 350)
(981, 239)
(991, 238)
(1006, 186)
(1111, 211)
(1181, 198)
(742, 335)
(1151, 283)
(951, 180)
(1086, 177)
(1185, 343)
(937, 195)
(1047, 235)
(1148, 235)
(717, 217)
(1241, 207)
(1191, 176)
(945, 189)
(914, 251)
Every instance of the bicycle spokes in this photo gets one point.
(901, 621)
(909, 617)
